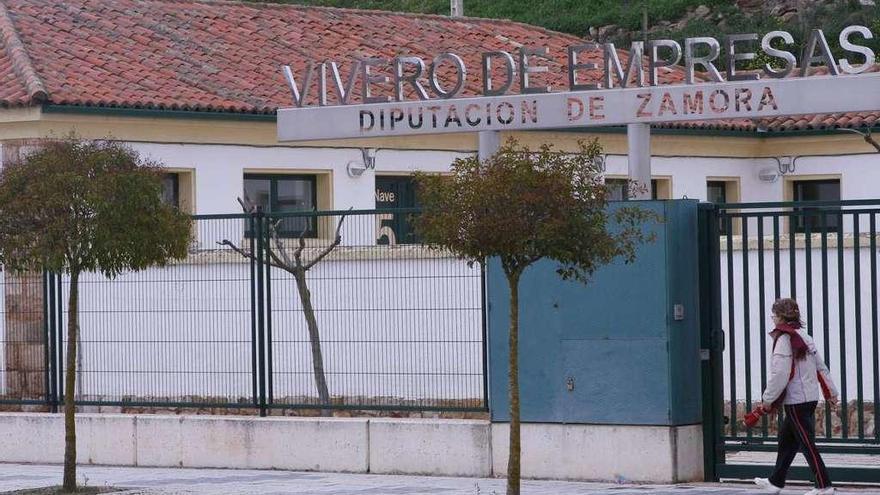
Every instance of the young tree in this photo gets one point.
(298, 267)
(523, 206)
(74, 206)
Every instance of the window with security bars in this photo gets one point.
(816, 219)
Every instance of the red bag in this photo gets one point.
(752, 418)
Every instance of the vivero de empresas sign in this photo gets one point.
(626, 94)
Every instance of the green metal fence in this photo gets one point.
(259, 317)
(824, 254)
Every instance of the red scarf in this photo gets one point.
(799, 351)
(798, 346)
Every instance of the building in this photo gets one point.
(195, 85)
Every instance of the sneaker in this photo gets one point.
(768, 487)
(823, 491)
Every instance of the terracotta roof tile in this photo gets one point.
(226, 56)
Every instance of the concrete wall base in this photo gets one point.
(649, 454)
(425, 447)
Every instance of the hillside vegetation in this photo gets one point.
(620, 21)
(569, 16)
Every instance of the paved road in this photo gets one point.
(156, 481)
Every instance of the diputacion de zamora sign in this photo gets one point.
(628, 93)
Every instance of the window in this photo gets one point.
(285, 193)
(171, 189)
(618, 189)
(716, 191)
(177, 189)
(395, 192)
(816, 190)
(720, 191)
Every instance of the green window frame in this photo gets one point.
(272, 202)
(816, 190)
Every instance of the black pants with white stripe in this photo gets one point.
(798, 433)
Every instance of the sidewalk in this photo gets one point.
(170, 481)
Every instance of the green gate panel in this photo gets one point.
(611, 351)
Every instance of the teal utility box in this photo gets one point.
(623, 349)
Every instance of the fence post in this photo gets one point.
(710, 344)
(251, 233)
(260, 305)
(267, 245)
(47, 368)
(485, 323)
(59, 338)
(52, 318)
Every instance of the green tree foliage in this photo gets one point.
(576, 16)
(74, 207)
(567, 16)
(522, 206)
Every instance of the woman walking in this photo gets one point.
(798, 379)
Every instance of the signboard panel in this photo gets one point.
(603, 107)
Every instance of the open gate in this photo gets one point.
(824, 254)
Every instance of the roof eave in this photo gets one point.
(50, 108)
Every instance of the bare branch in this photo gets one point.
(336, 240)
(866, 136)
(250, 256)
(297, 255)
(247, 205)
(282, 255)
(273, 233)
(227, 242)
(278, 256)
(280, 264)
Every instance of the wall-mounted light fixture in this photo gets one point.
(768, 175)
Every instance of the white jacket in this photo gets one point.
(804, 386)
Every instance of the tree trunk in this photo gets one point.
(79, 364)
(70, 386)
(314, 339)
(513, 460)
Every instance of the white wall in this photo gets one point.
(755, 316)
(218, 175)
(647, 454)
(219, 169)
(859, 174)
(689, 175)
(408, 328)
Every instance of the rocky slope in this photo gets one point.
(748, 16)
